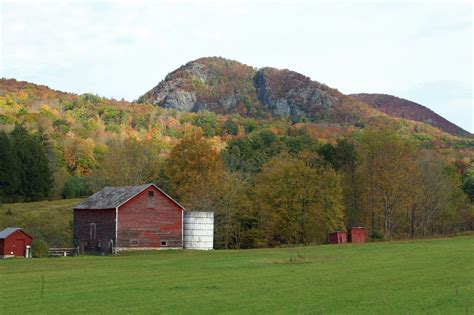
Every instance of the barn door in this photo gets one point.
(20, 248)
(92, 232)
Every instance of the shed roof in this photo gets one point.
(112, 197)
(10, 230)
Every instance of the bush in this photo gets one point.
(76, 187)
(377, 236)
(208, 123)
(39, 248)
(231, 127)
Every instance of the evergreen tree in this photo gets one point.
(9, 169)
(35, 175)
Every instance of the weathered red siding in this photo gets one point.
(357, 234)
(338, 237)
(146, 221)
(15, 244)
(104, 220)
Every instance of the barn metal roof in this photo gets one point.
(112, 197)
(6, 232)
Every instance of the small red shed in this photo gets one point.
(13, 242)
(357, 234)
(338, 237)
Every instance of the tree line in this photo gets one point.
(269, 191)
(267, 188)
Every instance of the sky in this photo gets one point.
(421, 51)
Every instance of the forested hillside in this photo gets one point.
(271, 179)
(400, 107)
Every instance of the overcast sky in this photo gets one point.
(421, 51)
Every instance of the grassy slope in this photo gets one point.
(43, 219)
(429, 276)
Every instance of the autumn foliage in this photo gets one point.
(270, 182)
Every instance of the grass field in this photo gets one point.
(48, 220)
(427, 276)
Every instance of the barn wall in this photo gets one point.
(146, 222)
(15, 244)
(104, 221)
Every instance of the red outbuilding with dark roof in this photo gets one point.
(129, 217)
(14, 242)
(357, 234)
(338, 237)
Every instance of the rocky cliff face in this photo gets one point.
(173, 92)
(224, 86)
(287, 93)
(215, 84)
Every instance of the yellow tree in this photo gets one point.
(193, 169)
(440, 198)
(298, 203)
(233, 213)
(79, 155)
(330, 199)
(130, 162)
(389, 176)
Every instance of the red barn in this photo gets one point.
(14, 242)
(129, 217)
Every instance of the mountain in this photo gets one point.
(399, 107)
(225, 86)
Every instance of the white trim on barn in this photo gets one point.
(116, 227)
(182, 228)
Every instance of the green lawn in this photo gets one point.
(428, 276)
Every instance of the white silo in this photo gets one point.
(198, 230)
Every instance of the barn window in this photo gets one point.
(151, 200)
(164, 243)
(133, 243)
